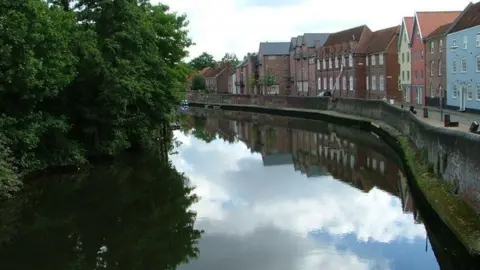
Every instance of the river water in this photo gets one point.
(258, 192)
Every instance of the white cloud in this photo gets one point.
(238, 26)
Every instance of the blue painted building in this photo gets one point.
(463, 61)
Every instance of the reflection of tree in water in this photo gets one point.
(130, 215)
(200, 131)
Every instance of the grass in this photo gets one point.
(457, 214)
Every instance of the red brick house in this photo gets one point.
(273, 68)
(216, 79)
(423, 25)
(245, 74)
(303, 63)
(343, 55)
(381, 65)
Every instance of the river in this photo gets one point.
(257, 192)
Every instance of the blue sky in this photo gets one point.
(238, 26)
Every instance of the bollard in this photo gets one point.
(425, 112)
(474, 127)
(446, 120)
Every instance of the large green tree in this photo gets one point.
(231, 57)
(86, 78)
(202, 61)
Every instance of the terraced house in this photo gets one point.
(435, 69)
(273, 68)
(423, 25)
(463, 61)
(342, 60)
(381, 65)
(246, 75)
(303, 58)
(404, 57)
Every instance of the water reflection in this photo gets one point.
(133, 214)
(279, 193)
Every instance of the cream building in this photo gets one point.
(404, 58)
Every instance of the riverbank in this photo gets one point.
(465, 224)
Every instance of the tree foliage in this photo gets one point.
(198, 82)
(231, 57)
(202, 61)
(86, 78)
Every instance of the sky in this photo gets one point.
(238, 26)
(264, 218)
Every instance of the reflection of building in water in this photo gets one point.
(408, 204)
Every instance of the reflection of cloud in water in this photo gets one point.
(245, 205)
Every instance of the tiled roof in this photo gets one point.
(210, 72)
(441, 30)
(243, 63)
(311, 38)
(470, 17)
(431, 20)
(204, 70)
(275, 48)
(345, 36)
(409, 25)
(381, 38)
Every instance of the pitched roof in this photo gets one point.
(310, 39)
(441, 30)
(243, 63)
(409, 25)
(345, 35)
(275, 48)
(469, 17)
(428, 21)
(380, 39)
(204, 70)
(210, 72)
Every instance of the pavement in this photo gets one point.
(434, 117)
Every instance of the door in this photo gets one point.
(407, 94)
(463, 97)
(419, 97)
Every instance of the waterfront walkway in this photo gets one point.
(435, 119)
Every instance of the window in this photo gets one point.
(408, 75)
(366, 80)
(464, 65)
(432, 68)
(350, 60)
(478, 63)
(432, 92)
(478, 40)
(421, 74)
(440, 45)
(343, 60)
(403, 57)
(454, 65)
(324, 63)
(465, 42)
(454, 91)
(454, 44)
(382, 83)
(344, 82)
(380, 59)
(421, 54)
(374, 83)
(336, 62)
(416, 74)
(311, 61)
(351, 83)
(330, 63)
(271, 57)
(403, 75)
(337, 83)
(331, 83)
(319, 83)
(470, 91)
(432, 47)
(408, 57)
(478, 91)
(325, 83)
(373, 60)
(366, 60)
(439, 67)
